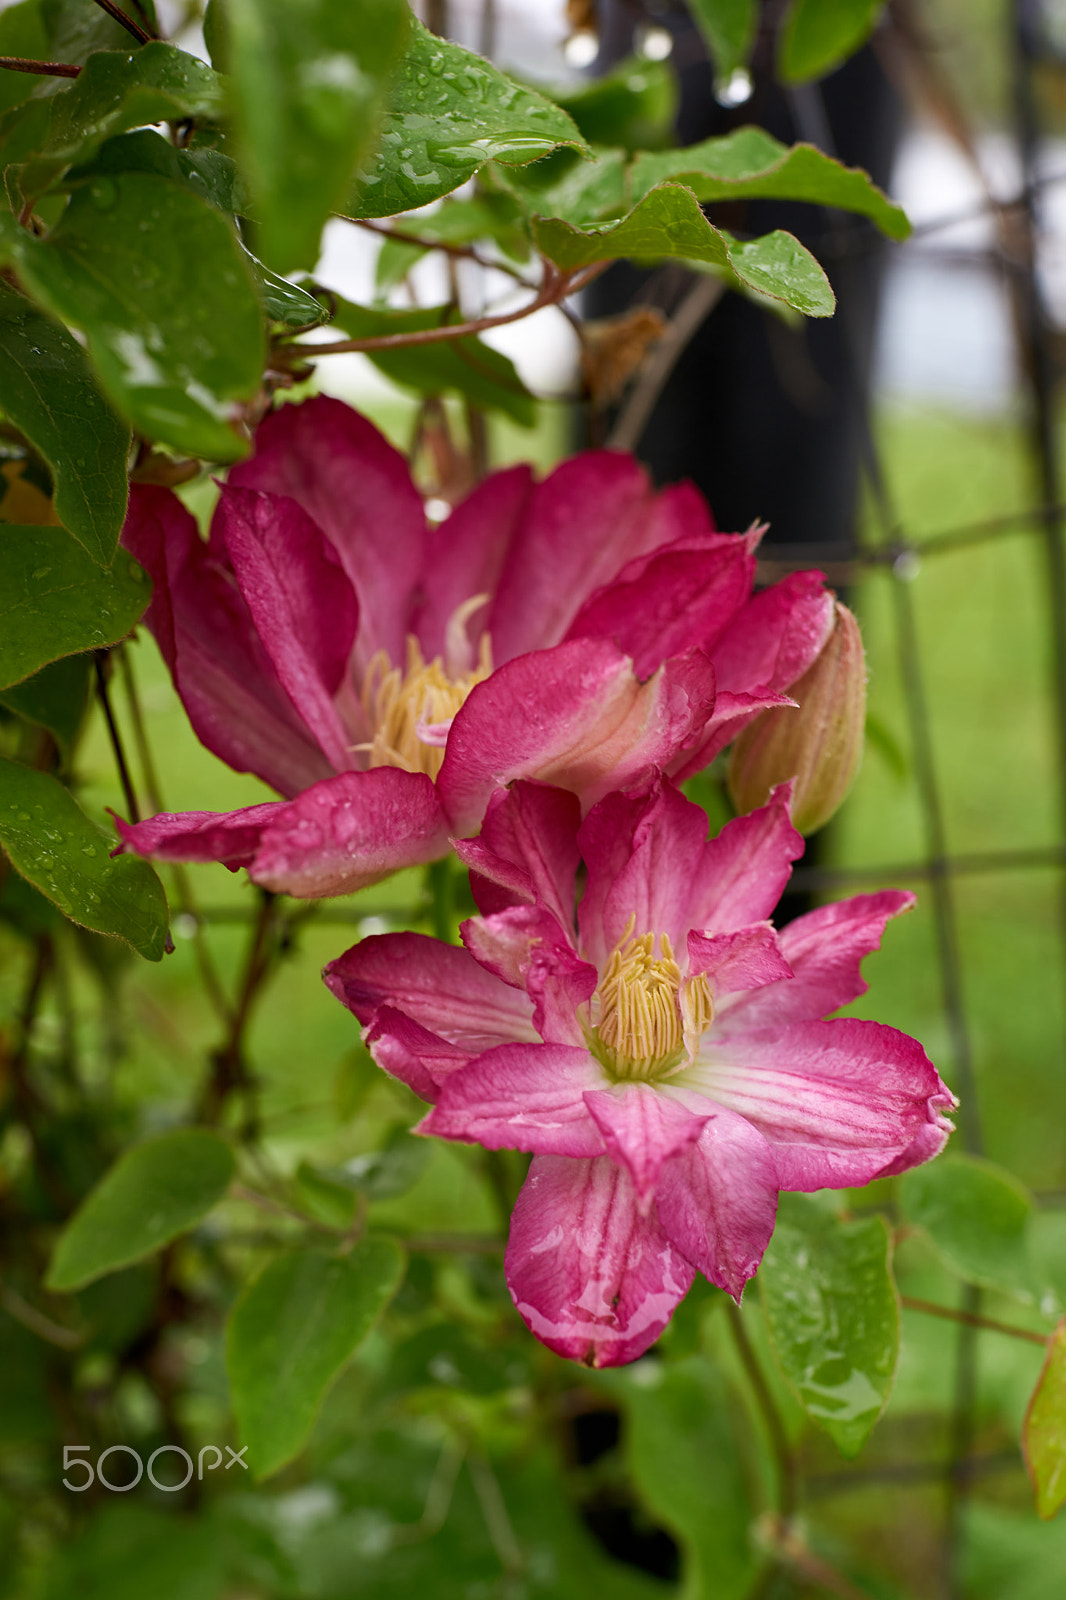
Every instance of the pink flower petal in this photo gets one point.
(522, 1097)
(438, 985)
(504, 943)
(732, 713)
(591, 516)
(350, 480)
(824, 950)
(735, 962)
(717, 1201)
(221, 671)
(351, 831)
(302, 605)
(464, 557)
(777, 635)
(576, 716)
(527, 852)
(677, 600)
(591, 1276)
(643, 1127)
(415, 1055)
(648, 856)
(525, 946)
(231, 837)
(840, 1102)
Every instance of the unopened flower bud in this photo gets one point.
(818, 743)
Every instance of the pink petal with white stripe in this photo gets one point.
(416, 1055)
(839, 1102)
(717, 1201)
(642, 1128)
(440, 986)
(592, 1277)
(527, 851)
(522, 1097)
(735, 962)
(824, 950)
(231, 837)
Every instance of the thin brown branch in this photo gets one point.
(783, 1542)
(229, 1070)
(125, 780)
(37, 1322)
(141, 35)
(693, 311)
(44, 69)
(972, 1319)
(466, 252)
(555, 286)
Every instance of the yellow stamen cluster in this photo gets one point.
(397, 703)
(646, 1011)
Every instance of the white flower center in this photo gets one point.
(646, 1013)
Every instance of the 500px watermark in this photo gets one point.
(74, 1459)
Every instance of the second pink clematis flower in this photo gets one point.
(387, 677)
(662, 1052)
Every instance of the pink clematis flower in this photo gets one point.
(663, 1054)
(386, 677)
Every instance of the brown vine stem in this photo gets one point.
(697, 305)
(972, 1319)
(466, 252)
(775, 1533)
(141, 35)
(37, 1322)
(555, 286)
(45, 69)
(125, 780)
(228, 1068)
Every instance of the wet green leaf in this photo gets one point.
(682, 1453)
(463, 366)
(633, 106)
(22, 33)
(449, 112)
(977, 1216)
(751, 164)
(818, 37)
(153, 1193)
(160, 285)
(308, 82)
(1044, 1431)
(77, 31)
(293, 1329)
(51, 841)
(54, 698)
(565, 187)
(48, 390)
(728, 28)
(833, 1315)
(117, 90)
(55, 601)
(668, 223)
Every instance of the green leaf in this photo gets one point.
(55, 601)
(161, 286)
(291, 1332)
(751, 164)
(53, 843)
(683, 1454)
(308, 83)
(467, 366)
(1044, 1430)
(833, 1316)
(22, 33)
(153, 1193)
(632, 106)
(728, 28)
(977, 1216)
(668, 223)
(117, 90)
(563, 186)
(76, 31)
(447, 113)
(54, 698)
(47, 389)
(819, 34)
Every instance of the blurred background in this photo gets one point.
(913, 449)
